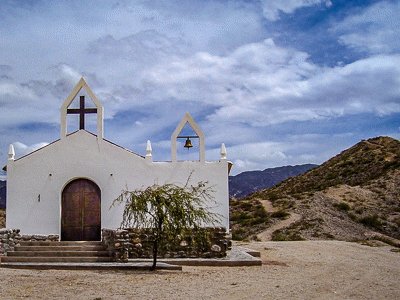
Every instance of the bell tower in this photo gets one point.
(187, 119)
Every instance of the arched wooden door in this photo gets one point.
(81, 211)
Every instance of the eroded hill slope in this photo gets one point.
(352, 196)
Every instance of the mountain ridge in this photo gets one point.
(248, 182)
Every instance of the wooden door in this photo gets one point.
(81, 211)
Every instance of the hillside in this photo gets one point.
(249, 182)
(352, 196)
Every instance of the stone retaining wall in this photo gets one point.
(9, 238)
(138, 243)
(116, 242)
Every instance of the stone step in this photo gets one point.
(33, 259)
(62, 243)
(60, 248)
(63, 253)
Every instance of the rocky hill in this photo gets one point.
(353, 196)
(249, 182)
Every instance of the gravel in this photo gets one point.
(290, 270)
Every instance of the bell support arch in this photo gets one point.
(188, 119)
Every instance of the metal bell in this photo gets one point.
(188, 144)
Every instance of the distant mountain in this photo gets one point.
(249, 182)
(352, 196)
(2, 194)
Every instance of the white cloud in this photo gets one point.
(272, 8)
(261, 84)
(21, 149)
(374, 30)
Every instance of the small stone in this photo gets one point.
(215, 248)
(53, 237)
(183, 243)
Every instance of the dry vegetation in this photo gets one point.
(2, 218)
(349, 197)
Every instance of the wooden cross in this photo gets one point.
(82, 111)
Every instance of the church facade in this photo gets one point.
(68, 187)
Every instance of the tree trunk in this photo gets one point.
(155, 253)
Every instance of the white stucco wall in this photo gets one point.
(82, 155)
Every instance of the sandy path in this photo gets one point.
(266, 235)
(267, 205)
(291, 270)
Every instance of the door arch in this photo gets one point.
(81, 211)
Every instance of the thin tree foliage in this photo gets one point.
(168, 210)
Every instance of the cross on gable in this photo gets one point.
(81, 85)
(82, 111)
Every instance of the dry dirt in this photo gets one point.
(290, 270)
(266, 235)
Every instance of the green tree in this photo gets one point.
(167, 210)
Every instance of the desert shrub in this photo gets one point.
(238, 234)
(359, 210)
(280, 214)
(342, 206)
(397, 221)
(286, 236)
(240, 216)
(352, 216)
(371, 221)
(245, 205)
(272, 196)
(261, 213)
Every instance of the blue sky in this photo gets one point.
(279, 82)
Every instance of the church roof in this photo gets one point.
(72, 133)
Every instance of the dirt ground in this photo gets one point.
(290, 270)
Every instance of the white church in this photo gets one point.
(68, 186)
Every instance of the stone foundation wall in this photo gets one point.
(138, 243)
(9, 238)
(116, 242)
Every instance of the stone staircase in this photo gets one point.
(58, 252)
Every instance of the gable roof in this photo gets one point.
(70, 134)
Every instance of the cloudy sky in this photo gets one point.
(278, 81)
